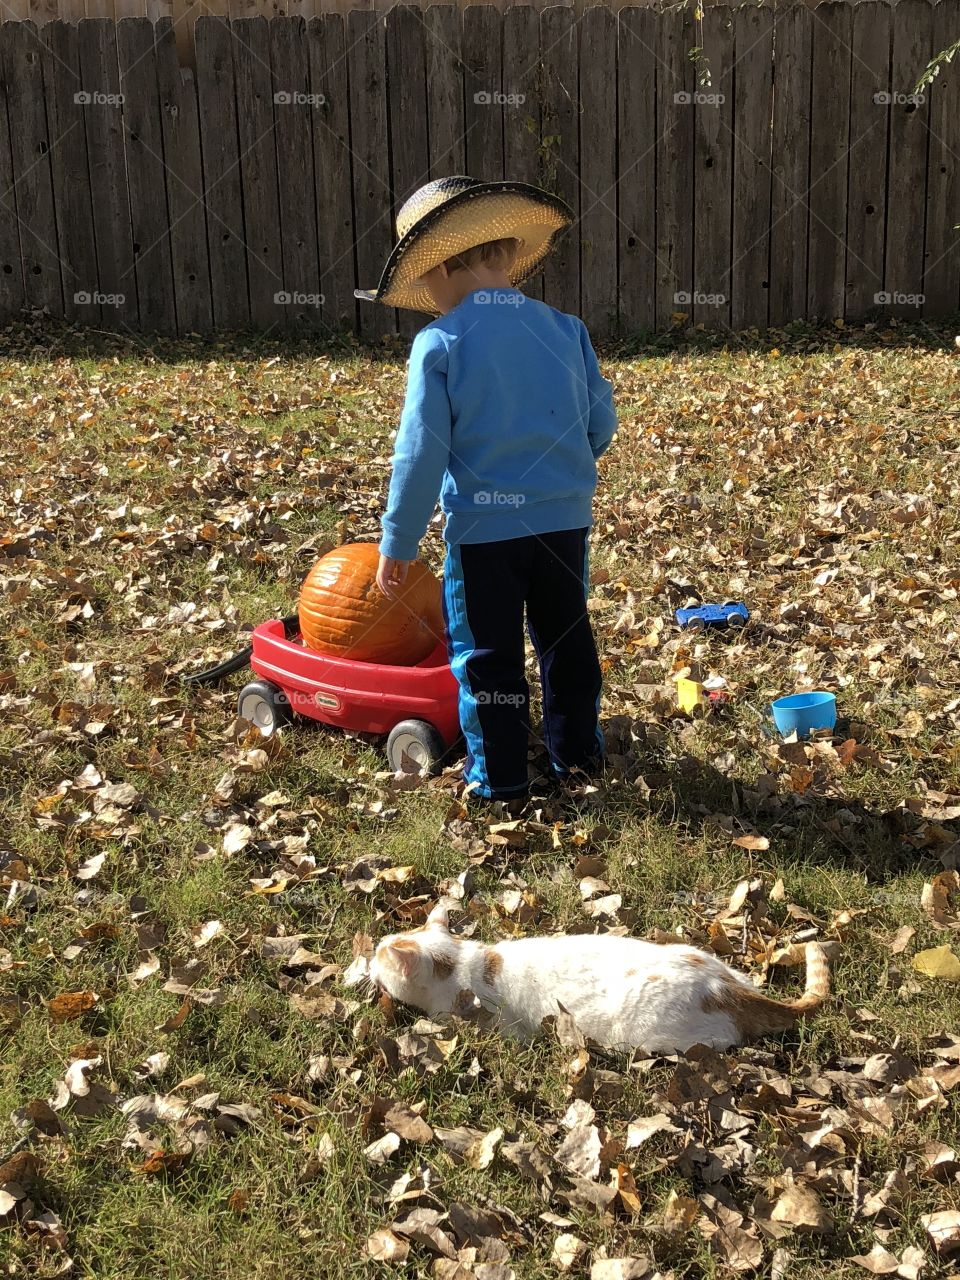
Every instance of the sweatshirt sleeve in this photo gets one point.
(603, 416)
(422, 449)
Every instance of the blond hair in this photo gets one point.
(492, 253)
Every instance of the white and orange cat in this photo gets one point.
(622, 992)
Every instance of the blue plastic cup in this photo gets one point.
(803, 712)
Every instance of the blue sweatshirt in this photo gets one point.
(505, 415)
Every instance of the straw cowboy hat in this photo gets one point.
(449, 216)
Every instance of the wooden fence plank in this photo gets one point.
(523, 85)
(294, 132)
(103, 118)
(909, 129)
(713, 124)
(221, 173)
(332, 167)
(11, 264)
(446, 140)
(179, 120)
(371, 165)
(829, 134)
(675, 162)
(867, 189)
(560, 149)
(750, 268)
(258, 168)
(483, 91)
(789, 212)
(598, 170)
(941, 274)
(636, 138)
(32, 195)
(146, 176)
(71, 175)
(407, 113)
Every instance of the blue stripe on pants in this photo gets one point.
(487, 588)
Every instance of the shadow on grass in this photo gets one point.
(677, 787)
(43, 338)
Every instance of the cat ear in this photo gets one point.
(438, 916)
(406, 956)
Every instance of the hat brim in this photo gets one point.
(487, 211)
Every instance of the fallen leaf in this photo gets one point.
(384, 1246)
(236, 838)
(480, 1154)
(679, 1213)
(801, 1208)
(567, 1251)
(205, 933)
(619, 1269)
(938, 962)
(639, 1131)
(943, 1228)
(879, 1261)
(755, 843)
(71, 1005)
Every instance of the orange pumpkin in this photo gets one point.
(343, 612)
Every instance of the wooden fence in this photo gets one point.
(802, 180)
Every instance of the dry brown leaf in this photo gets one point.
(679, 1213)
(176, 1020)
(580, 1151)
(619, 1269)
(481, 1152)
(567, 1251)
(10, 1198)
(801, 1208)
(901, 939)
(23, 1167)
(755, 843)
(879, 1261)
(380, 1151)
(640, 1130)
(236, 838)
(71, 1005)
(384, 1246)
(943, 1228)
(939, 899)
(407, 1124)
(165, 1162)
(622, 1178)
(205, 933)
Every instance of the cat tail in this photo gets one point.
(817, 987)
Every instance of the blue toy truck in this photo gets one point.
(729, 614)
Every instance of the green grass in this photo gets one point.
(779, 470)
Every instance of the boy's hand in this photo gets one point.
(391, 574)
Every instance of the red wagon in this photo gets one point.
(416, 707)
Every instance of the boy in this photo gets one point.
(505, 415)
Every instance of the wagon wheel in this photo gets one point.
(419, 742)
(265, 705)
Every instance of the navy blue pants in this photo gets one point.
(487, 586)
